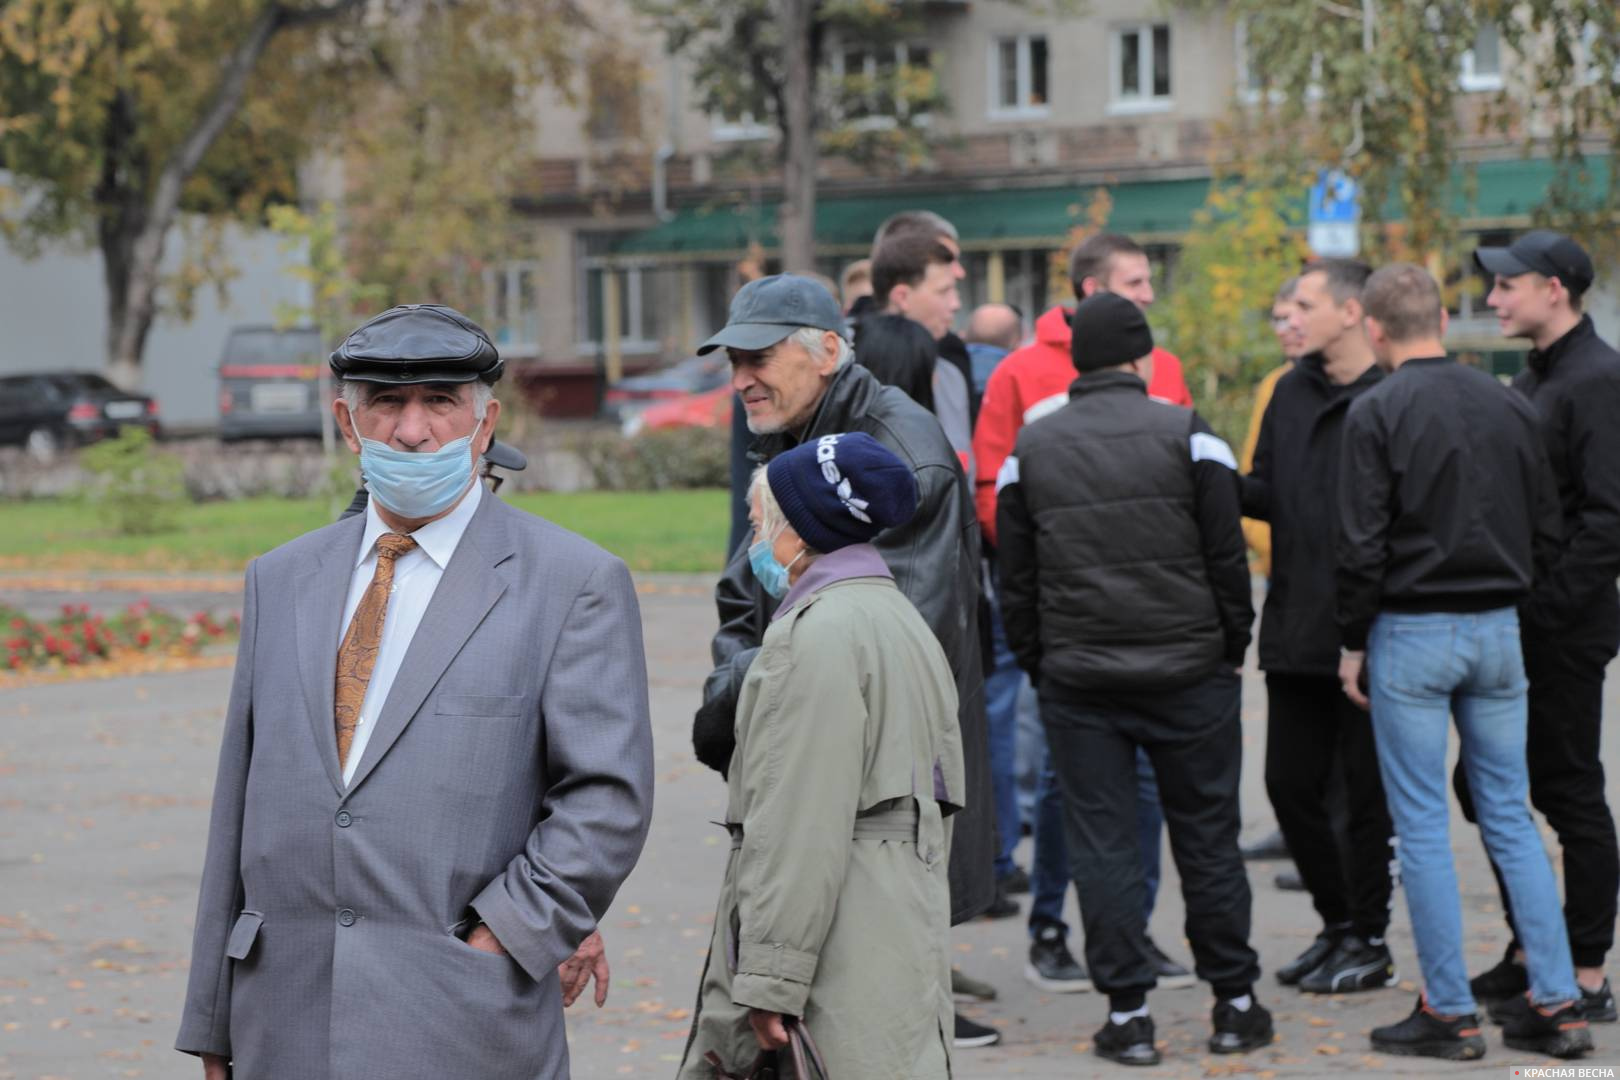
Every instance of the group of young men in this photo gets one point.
(1440, 546)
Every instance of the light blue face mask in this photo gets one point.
(418, 485)
(771, 574)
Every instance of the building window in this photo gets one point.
(1251, 77)
(1018, 76)
(1141, 69)
(512, 300)
(1482, 64)
(739, 126)
(867, 78)
(1592, 56)
(647, 299)
(613, 96)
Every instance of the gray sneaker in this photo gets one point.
(1172, 976)
(1052, 967)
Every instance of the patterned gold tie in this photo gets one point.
(358, 653)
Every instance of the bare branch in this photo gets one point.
(1338, 9)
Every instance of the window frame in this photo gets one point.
(509, 275)
(1471, 82)
(631, 299)
(887, 115)
(1142, 102)
(1023, 78)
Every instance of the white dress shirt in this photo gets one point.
(416, 577)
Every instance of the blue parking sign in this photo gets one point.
(1334, 215)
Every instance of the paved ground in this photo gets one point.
(103, 803)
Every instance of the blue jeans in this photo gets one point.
(1001, 690)
(1423, 670)
(1049, 871)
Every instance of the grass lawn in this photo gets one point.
(663, 530)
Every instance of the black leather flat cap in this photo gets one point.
(418, 343)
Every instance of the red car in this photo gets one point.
(709, 409)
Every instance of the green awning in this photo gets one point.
(1491, 191)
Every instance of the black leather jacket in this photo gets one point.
(935, 561)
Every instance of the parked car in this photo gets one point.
(270, 383)
(54, 411)
(628, 397)
(710, 409)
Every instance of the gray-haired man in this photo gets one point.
(791, 371)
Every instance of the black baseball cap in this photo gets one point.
(506, 456)
(1541, 251)
(418, 343)
(769, 309)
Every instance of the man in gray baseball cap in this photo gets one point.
(791, 371)
(785, 338)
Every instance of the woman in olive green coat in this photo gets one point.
(835, 904)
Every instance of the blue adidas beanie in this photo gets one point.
(842, 489)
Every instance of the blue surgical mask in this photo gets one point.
(771, 574)
(417, 485)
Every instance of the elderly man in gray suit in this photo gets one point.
(437, 763)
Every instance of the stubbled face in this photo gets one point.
(781, 386)
(933, 301)
(1523, 303)
(417, 418)
(1282, 325)
(1131, 276)
(1317, 319)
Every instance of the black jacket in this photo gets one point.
(1575, 387)
(1445, 499)
(1296, 469)
(935, 561)
(1122, 557)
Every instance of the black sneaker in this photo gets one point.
(1237, 1030)
(1289, 881)
(1354, 964)
(1427, 1034)
(1003, 907)
(1506, 980)
(1598, 1005)
(1560, 1030)
(1015, 883)
(1052, 966)
(1269, 846)
(1172, 976)
(1309, 960)
(969, 1033)
(1130, 1043)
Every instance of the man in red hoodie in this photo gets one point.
(1034, 380)
(1028, 384)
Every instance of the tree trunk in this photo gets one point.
(132, 237)
(797, 220)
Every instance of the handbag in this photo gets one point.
(801, 1051)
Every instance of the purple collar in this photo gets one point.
(854, 561)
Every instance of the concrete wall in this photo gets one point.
(53, 310)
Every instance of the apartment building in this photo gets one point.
(641, 205)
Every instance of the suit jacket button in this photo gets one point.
(344, 819)
(346, 917)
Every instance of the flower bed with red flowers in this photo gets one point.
(76, 637)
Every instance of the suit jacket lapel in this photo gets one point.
(322, 592)
(469, 588)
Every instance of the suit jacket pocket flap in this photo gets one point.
(243, 934)
(477, 705)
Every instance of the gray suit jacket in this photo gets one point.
(509, 779)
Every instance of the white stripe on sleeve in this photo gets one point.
(1207, 447)
(1008, 474)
